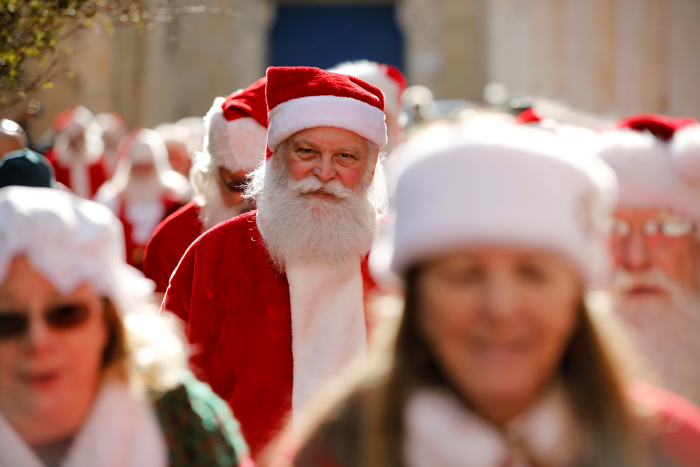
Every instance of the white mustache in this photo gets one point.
(625, 281)
(312, 183)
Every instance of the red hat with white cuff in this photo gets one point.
(299, 98)
(236, 128)
(657, 162)
(386, 77)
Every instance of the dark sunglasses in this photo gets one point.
(235, 186)
(15, 325)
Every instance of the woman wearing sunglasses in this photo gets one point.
(497, 360)
(88, 377)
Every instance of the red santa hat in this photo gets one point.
(386, 77)
(497, 184)
(304, 97)
(72, 120)
(236, 128)
(657, 162)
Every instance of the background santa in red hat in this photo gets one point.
(656, 287)
(143, 191)
(273, 299)
(233, 146)
(77, 154)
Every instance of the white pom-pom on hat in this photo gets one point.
(685, 153)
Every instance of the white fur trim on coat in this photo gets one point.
(333, 111)
(653, 174)
(120, 431)
(441, 431)
(328, 325)
(235, 145)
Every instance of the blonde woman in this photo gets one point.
(497, 361)
(88, 377)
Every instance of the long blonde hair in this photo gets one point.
(608, 422)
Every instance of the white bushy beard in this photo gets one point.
(665, 329)
(215, 211)
(299, 228)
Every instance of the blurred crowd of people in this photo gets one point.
(294, 279)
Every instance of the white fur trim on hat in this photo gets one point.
(235, 145)
(685, 153)
(650, 170)
(372, 73)
(333, 111)
(468, 186)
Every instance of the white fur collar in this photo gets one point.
(120, 431)
(328, 325)
(440, 430)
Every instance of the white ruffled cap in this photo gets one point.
(496, 184)
(70, 241)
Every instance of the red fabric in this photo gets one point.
(134, 251)
(394, 73)
(287, 83)
(169, 242)
(97, 172)
(250, 102)
(661, 126)
(678, 433)
(238, 315)
(528, 116)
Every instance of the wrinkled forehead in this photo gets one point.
(330, 139)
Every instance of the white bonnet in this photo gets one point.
(70, 241)
(491, 183)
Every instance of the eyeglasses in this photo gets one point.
(15, 325)
(671, 227)
(234, 186)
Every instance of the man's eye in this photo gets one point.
(306, 151)
(345, 155)
(621, 228)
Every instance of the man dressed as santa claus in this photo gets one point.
(233, 146)
(273, 299)
(143, 191)
(656, 244)
(77, 154)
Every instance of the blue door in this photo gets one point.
(323, 36)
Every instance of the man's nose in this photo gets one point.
(635, 253)
(324, 170)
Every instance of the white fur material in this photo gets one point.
(492, 184)
(372, 73)
(441, 431)
(236, 145)
(121, 430)
(328, 328)
(333, 111)
(652, 173)
(685, 153)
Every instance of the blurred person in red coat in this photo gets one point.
(234, 145)
(274, 298)
(77, 154)
(656, 243)
(143, 191)
(114, 128)
(493, 357)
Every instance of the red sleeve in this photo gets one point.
(152, 267)
(178, 296)
(678, 433)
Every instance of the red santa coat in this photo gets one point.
(97, 172)
(135, 249)
(169, 242)
(238, 313)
